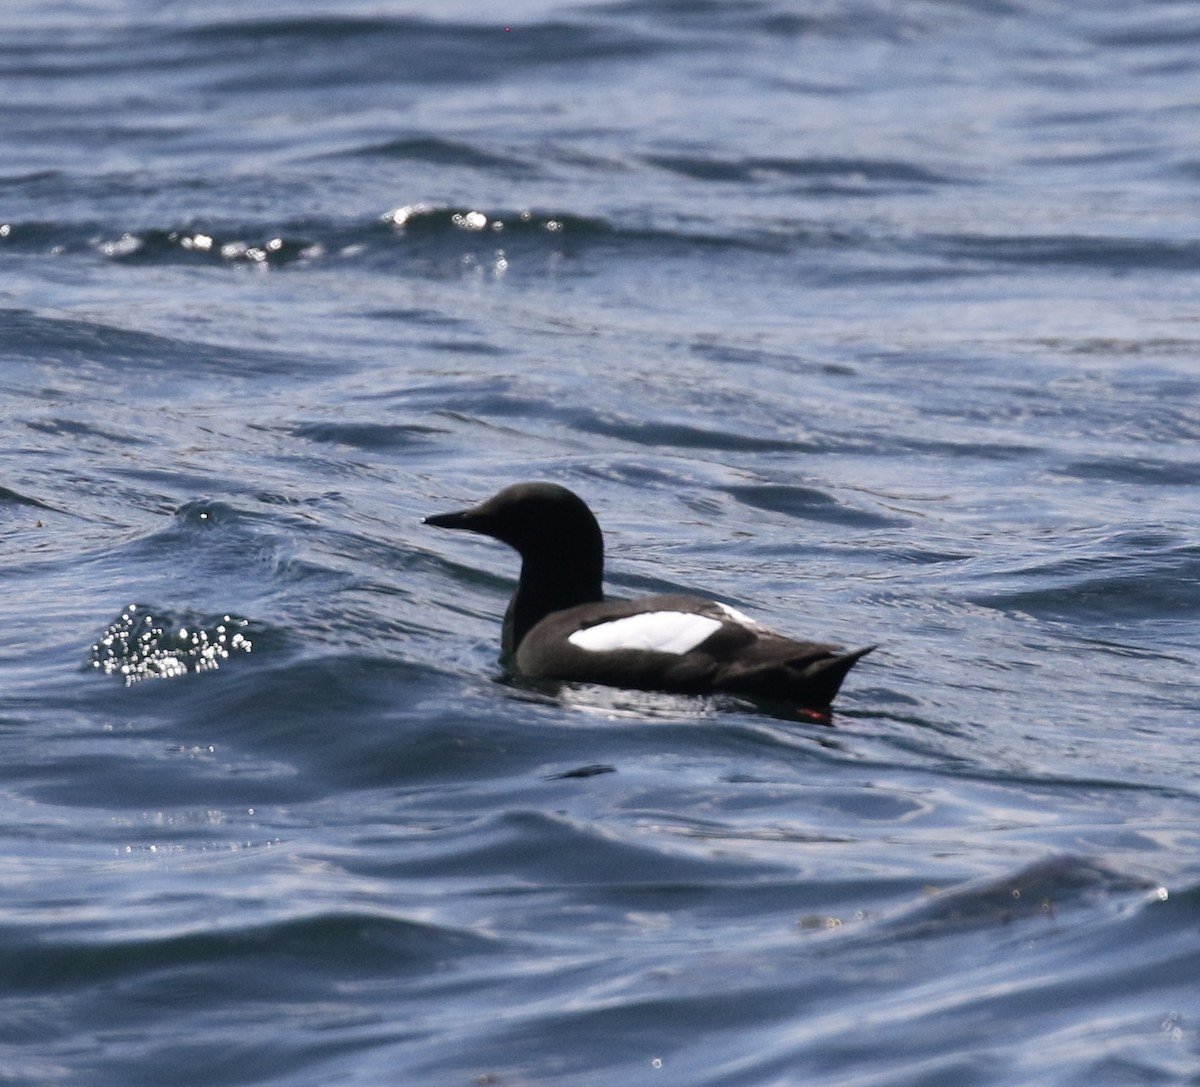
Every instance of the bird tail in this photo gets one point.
(823, 678)
(811, 678)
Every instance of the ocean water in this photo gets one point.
(876, 320)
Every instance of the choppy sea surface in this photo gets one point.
(876, 320)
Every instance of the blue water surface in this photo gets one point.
(875, 320)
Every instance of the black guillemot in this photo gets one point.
(559, 626)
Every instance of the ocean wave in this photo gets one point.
(843, 176)
(358, 944)
(1121, 577)
(430, 237)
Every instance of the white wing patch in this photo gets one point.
(675, 632)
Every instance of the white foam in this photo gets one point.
(675, 632)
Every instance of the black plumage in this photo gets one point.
(560, 596)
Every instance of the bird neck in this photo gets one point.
(550, 586)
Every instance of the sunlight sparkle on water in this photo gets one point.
(138, 646)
